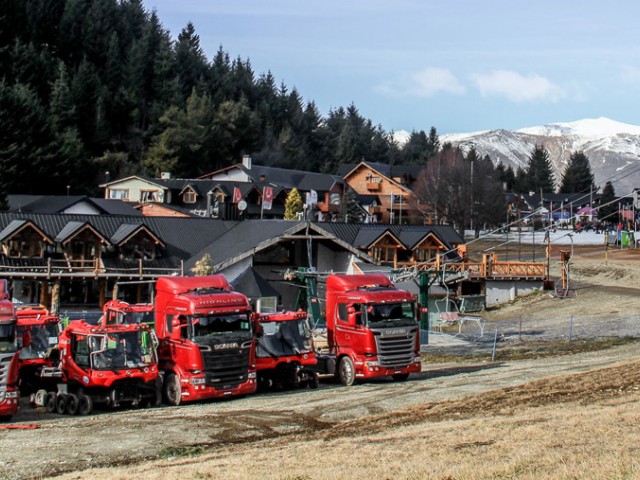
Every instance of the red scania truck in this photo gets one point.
(371, 326)
(9, 357)
(207, 341)
(285, 355)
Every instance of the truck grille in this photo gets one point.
(226, 368)
(395, 351)
(5, 361)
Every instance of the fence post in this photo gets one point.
(493, 352)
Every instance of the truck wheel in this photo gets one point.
(314, 381)
(85, 404)
(72, 404)
(50, 402)
(346, 372)
(400, 377)
(39, 398)
(171, 390)
(61, 404)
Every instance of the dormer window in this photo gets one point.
(189, 196)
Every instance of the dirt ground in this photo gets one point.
(475, 412)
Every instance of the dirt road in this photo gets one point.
(68, 444)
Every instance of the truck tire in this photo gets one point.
(85, 404)
(61, 404)
(314, 381)
(400, 377)
(171, 390)
(346, 371)
(72, 404)
(50, 402)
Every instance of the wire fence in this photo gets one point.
(479, 338)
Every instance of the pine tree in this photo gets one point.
(608, 211)
(539, 171)
(577, 176)
(293, 205)
(203, 266)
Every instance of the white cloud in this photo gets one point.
(425, 83)
(516, 87)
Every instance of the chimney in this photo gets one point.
(246, 161)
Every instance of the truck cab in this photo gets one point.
(38, 332)
(115, 312)
(207, 344)
(372, 329)
(9, 358)
(110, 365)
(285, 352)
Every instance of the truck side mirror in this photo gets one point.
(178, 322)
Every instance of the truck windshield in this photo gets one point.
(208, 326)
(401, 314)
(37, 339)
(282, 339)
(8, 338)
(129, 318)
(121, 350)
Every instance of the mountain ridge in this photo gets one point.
(613, 148)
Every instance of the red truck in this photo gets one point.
(38, 332)
(9, 357)
(285, 354)
(104, 365)
(371, 327)
(207, 341)
(117, 312)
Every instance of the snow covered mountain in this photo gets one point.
(613, 148)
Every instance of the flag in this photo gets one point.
(311, 198)
(237, 195)
(267, 198)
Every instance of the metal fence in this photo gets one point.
(480, 339)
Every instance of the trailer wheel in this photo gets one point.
(50, 402)
(85, 404)
(171, 390)
(72, 404)
(61, 404)
(40, 397)
(400, 377)
(346, 371)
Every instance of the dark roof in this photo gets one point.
(10, 229)
(127, 230)
(69, 230)
(60, 203)
(389, 171)
(253, 285)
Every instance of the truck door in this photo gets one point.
(351, 334)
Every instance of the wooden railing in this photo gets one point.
(479, 270)
(86, 268)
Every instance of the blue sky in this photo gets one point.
(457, 65)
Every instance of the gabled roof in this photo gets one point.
(153, 181)
(73, 228)
(17, 226)
(244, 239)
(389, 171)
(387, 233)
(128, 230)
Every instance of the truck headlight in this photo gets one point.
(252, 374)
(417, 359)
(12, 394)
(197, 381)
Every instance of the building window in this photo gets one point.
(150, 196)
(189, 196)
(334, 199)
(119, 194)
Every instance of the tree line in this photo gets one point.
(94, 90)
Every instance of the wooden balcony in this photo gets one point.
(374, 186)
